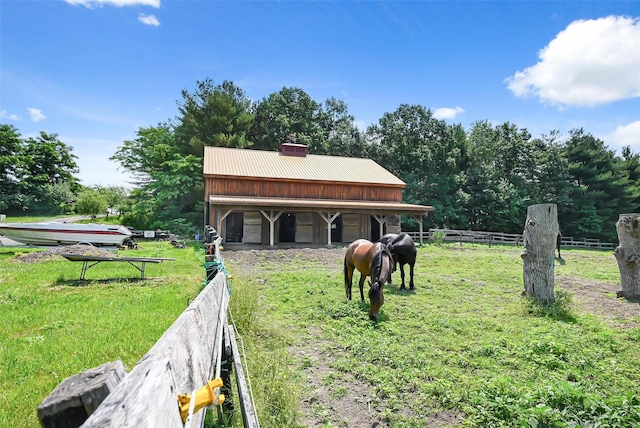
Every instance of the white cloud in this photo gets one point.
(149, 20)
(36, 115)
(625, 135)
(589, 63)
(447, 112)
(10, 116)
(119, 3)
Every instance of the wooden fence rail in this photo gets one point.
(507, 238)
(182, 360)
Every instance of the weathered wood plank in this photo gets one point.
(249, 417)
(146, 398)
(78, 396)
(181, 360)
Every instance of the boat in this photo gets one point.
(57, 233)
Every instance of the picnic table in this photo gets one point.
(90, 261)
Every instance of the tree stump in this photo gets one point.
(540, 234)
(628, 255)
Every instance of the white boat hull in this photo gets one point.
(65, 233)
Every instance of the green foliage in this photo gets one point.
(600, 188)
(289, 115)
(213, 115)
(60, 198)
(32, 170)
(11, 149)
(274, 384)
(426, 154)
(92, 202)
(438, 238)
(559, 309)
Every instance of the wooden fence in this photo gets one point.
(506, 238)
(199, 346)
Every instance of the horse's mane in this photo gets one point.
(376, 261)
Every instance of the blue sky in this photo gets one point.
(95, 71)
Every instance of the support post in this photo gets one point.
(418, 218)
(628, 255)
(329, 219)
(219, 223)
(540, 233)
(272, 221)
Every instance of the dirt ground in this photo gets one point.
(83, 250)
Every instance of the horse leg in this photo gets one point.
(559, 256)
(362, 278)
(411, 285)
(395, 267)
(402, 287)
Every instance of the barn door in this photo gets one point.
(287, 227)
(233, 229)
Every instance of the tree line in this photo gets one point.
(37, 177)
(483, 178)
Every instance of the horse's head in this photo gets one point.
(376, 299)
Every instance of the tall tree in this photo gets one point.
(213, 115)
(495, 179)
(47, 161)
(600, 189)
(340, 131)
(631, 169)
(286, 113)
(11, 150)
(423, 152)
(169, 182)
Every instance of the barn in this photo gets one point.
(291, 196)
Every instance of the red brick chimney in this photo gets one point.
(291, 149)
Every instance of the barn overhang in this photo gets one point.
(317, 205)
(329, 209)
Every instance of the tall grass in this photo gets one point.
(264, 344)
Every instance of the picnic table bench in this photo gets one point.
(90, 261)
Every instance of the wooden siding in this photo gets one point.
(301, 189)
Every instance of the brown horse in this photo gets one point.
(373, 260)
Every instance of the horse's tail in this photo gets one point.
(346, 277)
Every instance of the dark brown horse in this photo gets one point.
(558, 242)
(373, 260)
(403, 250)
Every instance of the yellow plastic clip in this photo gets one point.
(205, 396)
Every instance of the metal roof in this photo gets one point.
(223, 161)
(284, 204)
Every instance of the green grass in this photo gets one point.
(54, 326)
(32, 219)
(465, 342)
